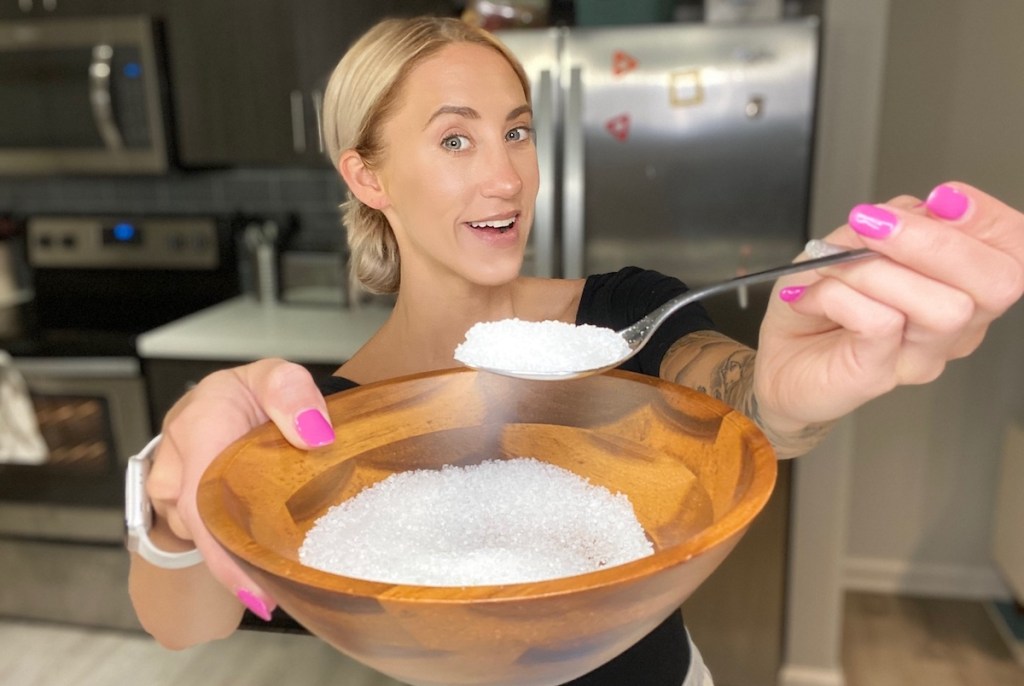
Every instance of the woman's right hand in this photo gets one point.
(220, 409)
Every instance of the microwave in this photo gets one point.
(82, 96)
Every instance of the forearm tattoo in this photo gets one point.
(715, 364)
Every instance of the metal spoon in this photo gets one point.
(638, 334)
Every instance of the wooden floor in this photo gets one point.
(51, 655)
(900, 641)
(889, 641)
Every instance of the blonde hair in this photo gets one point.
(361, 95)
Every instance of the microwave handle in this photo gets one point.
(317, 97)
(100, 98)
(298, 123)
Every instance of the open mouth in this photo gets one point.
(495, 225)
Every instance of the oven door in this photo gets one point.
(92, 415)
(62, 556)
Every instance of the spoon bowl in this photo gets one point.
(638, 334)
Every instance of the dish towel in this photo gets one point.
(20, 440)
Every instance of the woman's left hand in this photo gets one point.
(833, 339)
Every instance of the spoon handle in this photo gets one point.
(639, 332)
(776, 272)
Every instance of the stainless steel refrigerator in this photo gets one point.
(684, 148)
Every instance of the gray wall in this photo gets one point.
(899, 498)
(925, 459)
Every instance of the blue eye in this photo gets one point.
(520, 133)
(455, 143)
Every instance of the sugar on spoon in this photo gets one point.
(638, 334)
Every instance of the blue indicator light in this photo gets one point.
(132, 70)
(124, 232)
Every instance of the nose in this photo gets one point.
(502, 176)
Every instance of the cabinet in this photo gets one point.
(321, 32)
(248, 78)
(230, 68)
(737, 616)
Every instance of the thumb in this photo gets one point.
(285, 391)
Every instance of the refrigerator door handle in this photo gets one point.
(574, 191)
(544, 219)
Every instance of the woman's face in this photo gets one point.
(460, 168)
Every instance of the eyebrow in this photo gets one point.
(470, 113)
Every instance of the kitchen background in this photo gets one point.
(906, 496)
(236, 66)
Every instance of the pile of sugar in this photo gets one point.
(497, 522)
(548, 346)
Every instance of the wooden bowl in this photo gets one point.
(696, 471)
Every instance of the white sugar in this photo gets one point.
(498, 522)
(549, 346)
(819, 248)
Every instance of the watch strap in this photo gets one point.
(149, 552)
(138, 517)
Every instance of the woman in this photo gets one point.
(429, 123)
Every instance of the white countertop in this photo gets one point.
(242, 329)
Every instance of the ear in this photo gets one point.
(362, 181)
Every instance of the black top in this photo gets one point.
(615, 301)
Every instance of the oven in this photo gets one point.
(98, 282)
(88, 413)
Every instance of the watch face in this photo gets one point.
(138, 513)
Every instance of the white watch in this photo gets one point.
(138, 516)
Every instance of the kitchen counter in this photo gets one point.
(243, 329)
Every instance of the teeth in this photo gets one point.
(495, 224)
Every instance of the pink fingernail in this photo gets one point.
(255, 605)
(873, 221)
(947, 202)
(791, 293)
(314, 428)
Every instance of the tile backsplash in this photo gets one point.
(312, 194)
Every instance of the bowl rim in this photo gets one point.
(732, 524)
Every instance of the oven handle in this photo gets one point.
(99, 96)
(79, 367)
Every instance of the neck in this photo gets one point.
(440, 318)
(424, 328)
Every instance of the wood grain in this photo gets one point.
(696, 471)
